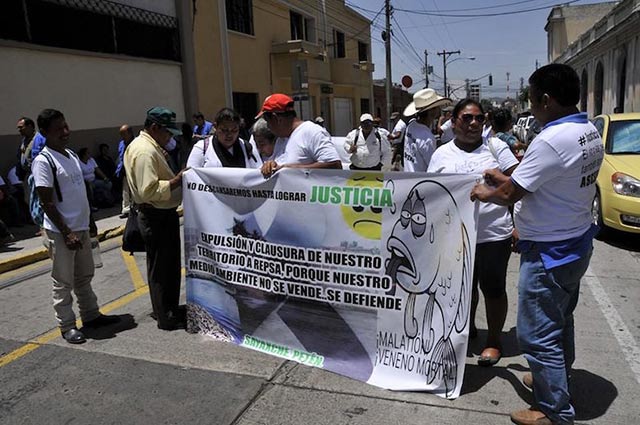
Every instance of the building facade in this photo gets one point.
(607, 58)
(102, 63)
(400, 98)
(319, 52)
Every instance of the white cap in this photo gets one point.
(366, 117)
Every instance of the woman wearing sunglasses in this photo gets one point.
(225, 148)
(470, 153)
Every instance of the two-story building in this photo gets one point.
(319, 52)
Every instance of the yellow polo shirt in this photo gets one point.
(148, 174)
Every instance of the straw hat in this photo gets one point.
(425, 99)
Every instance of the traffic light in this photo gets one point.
(490, 79)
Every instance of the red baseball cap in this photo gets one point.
(277, 102)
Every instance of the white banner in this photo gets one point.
(366, 274)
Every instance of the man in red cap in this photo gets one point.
(307, 144)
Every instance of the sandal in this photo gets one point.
(489, 356)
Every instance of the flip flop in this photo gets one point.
(489, 356)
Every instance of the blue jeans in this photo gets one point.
(546, 300)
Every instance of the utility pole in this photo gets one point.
(426, 70)
(387, 48)
(467, 88)
(445, 55)
(508, 74)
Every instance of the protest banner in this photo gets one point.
(366, 274)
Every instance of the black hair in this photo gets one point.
(227, 114)
(559, 81)
(28, 121)
(463, 104)
(501, 119)
(148, 123)
(198, 115)
(102, 145)
(82, 151)
(47, 116)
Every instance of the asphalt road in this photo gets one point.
(134, 373)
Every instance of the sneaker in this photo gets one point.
(102, 320)
(530, 416)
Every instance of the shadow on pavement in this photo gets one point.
(622, 240)
(509, 343)
(591, 394)
(126, 323)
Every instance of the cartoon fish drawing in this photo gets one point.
(422, 264)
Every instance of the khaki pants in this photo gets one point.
(72, 271)
(126, 196)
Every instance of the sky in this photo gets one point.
(500, 44)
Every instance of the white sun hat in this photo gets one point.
(425, 99)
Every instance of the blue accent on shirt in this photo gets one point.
(120, 167)
(206, 128)
(558, 253)
(38, 144)
(579, 118)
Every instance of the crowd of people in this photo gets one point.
(535, 205)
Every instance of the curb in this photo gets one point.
(42, 253)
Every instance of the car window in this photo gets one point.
(599, 125)
(624, 136)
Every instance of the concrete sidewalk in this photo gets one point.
(29, 250)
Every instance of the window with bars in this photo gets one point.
(91, 25)
(240, 16)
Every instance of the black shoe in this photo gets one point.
(102, 320)
(171, 322)
(153, 315)
(124, 215)
(74, 336)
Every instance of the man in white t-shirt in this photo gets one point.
(556, 182)
(67, 223)
(308, 145)
(419, 141)
(369, 148)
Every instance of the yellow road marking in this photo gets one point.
(134, 271)
(25, 269)
(141, 289)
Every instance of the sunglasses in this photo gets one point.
(468, 118)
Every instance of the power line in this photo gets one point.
(428, 13)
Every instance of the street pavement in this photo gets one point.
(133, 373)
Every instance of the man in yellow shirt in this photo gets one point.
(156, 193)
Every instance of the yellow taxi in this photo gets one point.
(617, 201)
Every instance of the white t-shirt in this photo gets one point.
(398, 129)
(419, 146)
(210, 158)
(370, 151)
(486, 131)
(559, 171)
(447, 132)
(309, 143)
(494, 221)
(89, 170)
(13, 177)
(74, 207)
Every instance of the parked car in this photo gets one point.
(617, 201)
(534, 129)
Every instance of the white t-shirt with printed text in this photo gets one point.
(494, 221)
(74, 207)
(559, 171)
